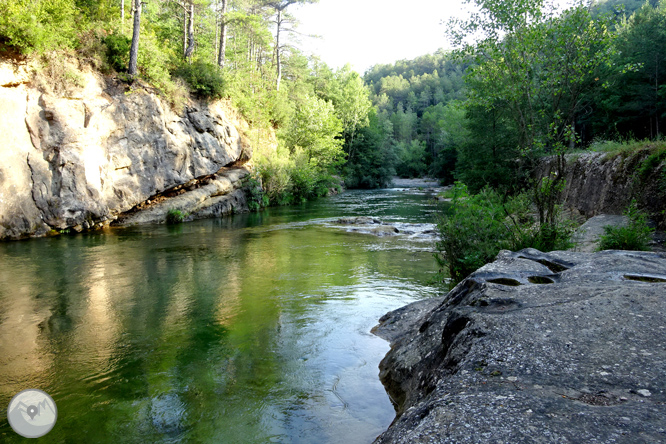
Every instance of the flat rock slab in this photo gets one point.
(564, 347)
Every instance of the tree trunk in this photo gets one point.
(134, 49)
(122, 16)
(277, 48)
(221, 58)
(190, 33)
(185, 15)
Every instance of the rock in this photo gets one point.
(81, 161)
(360, 220)
(561, 347)
(602, 183)
(384, 230)
(220, 196)
(368, 225)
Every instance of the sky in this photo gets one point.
(368, 32)
(364, 33)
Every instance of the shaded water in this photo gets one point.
(250, 329)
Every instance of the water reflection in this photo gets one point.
(246, 329)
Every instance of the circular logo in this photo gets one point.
(32, 413)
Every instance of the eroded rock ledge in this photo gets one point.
(82, 161)
(561, 347)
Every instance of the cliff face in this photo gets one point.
(598, 183)
(560, 347)
(83, 160)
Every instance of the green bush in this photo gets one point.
(175, 217)
(635, 236)
(254, 193)
(117, 51)
(204, 78)
(478, 226)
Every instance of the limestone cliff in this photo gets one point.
(82, 160)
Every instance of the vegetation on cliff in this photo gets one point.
(210, 49)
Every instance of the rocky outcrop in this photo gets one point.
(83, 160)
(599, 183)
(561, 347)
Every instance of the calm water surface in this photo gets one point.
(248, 329)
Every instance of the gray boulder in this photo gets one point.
(82, 160)
(562, 347)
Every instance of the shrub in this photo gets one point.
(117, 51)
(175, 217)
(204, 78)
(256, 197)
(635, 236)
(479, 226)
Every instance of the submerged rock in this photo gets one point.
(369, 225)
(360, 220)
(561, 347)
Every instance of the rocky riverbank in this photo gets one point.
(564, 347)
(103, 152)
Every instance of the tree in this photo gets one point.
(134, 48)
(352, 104)
(281, 20)
(539, 66)
(315, 129)
(221, 57)
(635, 101)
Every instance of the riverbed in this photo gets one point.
(248, 329)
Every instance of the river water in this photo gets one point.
(248, 329)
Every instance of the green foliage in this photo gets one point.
(634, 236)
(315, 129)
(293, 178)
(651, 163)
(478, 226)
(117, 51)
(254, 193)
(633, 100)
(412, 159)
(38, 25)
(205, 79)
(372, 155)
(174, 217)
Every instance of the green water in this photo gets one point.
(254, 328)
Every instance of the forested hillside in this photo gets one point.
(524, 81)
(532, 82)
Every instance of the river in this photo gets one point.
(248, 329)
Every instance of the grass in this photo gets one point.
(635, 236)
(174, 217)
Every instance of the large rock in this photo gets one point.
(562, 347)
(80, 161)
(598, 183)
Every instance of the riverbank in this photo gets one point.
(560, 347)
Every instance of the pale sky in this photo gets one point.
(367, 32)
